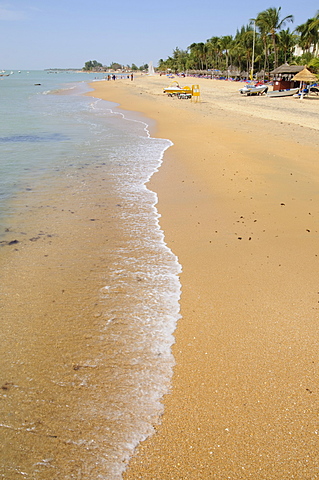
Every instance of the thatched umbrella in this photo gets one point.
(260, 74)
(305, 76)
(287, 69)
(233, 71)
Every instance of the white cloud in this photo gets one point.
(9, 13)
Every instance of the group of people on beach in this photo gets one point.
(114, 77)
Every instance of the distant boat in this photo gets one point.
(283, 93)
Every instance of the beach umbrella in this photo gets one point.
(287, 69)
(305, 76)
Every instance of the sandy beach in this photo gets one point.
(239, 203)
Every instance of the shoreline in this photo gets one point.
(239, 207)
(65, 305)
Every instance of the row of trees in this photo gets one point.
(262, 44)
(94, 66)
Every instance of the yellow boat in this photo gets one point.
(175, 89)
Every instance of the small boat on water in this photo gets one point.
(283, 93)
(254, 89)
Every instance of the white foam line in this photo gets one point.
(131, 120)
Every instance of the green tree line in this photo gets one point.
(263, 44)
(94, 66)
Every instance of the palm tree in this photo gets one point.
(199, 50)
(309, 33)
(263, 35)
(216, 49)
(269, 23)
(315, 22)
(245, 40)
(239, 49)
(226, 44)
(287, 40)
(180, 59)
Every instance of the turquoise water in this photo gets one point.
(44, 138)
(40, 132)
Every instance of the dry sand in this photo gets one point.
(239, 199)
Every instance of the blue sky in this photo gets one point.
(42, 34)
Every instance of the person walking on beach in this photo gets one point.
(132, 77)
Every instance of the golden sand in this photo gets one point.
(239, 199)
(51, 321)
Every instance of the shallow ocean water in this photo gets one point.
(107, 377)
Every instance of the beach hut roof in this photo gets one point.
(285, 68)
(305, 76)
(232, 68)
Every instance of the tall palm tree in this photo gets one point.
(216, 49)
(287, 40)
(194, 54)
(315, 22)
(309, 33)
(199, 50)
(270, 23)
(180, 59)
(263, 35)
(239, 55)
(226, 43)
(245, 38)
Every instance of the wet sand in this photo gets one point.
(238, 195)
(55, 356)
